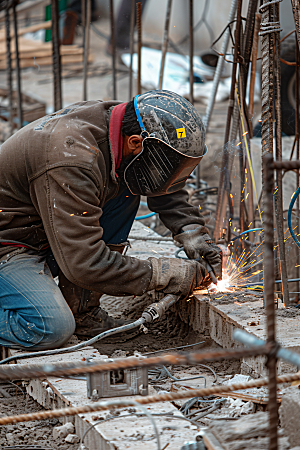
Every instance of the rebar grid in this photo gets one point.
(166, 397)
(19, 371)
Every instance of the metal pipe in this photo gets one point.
(278, 195)
(9, 68)
(228, 122)
(132, 17)
(56, 55)
(139, 52)
(219, 68)
(113, 47)
(268, 268)
(18, 72)
(165, 397)
(249, 340)
(165, 44)
(87, 5)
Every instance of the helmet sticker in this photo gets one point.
(181, 133)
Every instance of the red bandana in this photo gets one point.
(115, 133)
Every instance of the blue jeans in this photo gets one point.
(33, 312)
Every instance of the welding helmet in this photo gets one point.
(173, 144)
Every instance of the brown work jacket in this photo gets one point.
(55, 176)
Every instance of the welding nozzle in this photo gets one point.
(211, 273)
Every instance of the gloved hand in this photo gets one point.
(197, 243)
(176, 276)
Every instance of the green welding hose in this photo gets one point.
(294, 198)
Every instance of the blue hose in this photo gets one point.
(245, 232)
(146, 216)
(290, 216)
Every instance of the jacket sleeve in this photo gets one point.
(175, 211)
(67, 200)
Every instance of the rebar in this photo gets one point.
(297, 137)
(165, 44)
(191, 24)
(224, 167)
(268, 267)
(253, 68)
(9, 67)
(86, 48)
(18, 72)
(166, 397)
(219, 68)
(113, 47)
(132, 17)
(278, 195)
(20, 371)
(56, 55)
(296, 12)
(139, 52)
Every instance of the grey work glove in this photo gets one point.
(176, 276)
(197, 243)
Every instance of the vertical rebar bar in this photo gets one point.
(278, 195)
(191, 16)
(224, 166)
(253, 70)
(18, 72)
(139, 52)
(9, 68)
(132, 17)
(56, 55)
(113, 47)
(297, 154)
(87, 14)
(219, 67)
(269, 293)
(296, 12)
(165, 44)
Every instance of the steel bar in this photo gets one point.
(24, 371)
(248, 339)
(56, 55)
(139, 52)
(87, 14)
(166, 397)
(191, 23)
(296, 12)
(165, 44)
(9, 68)
(297, 138)
(224, 166)
(18, 71)
(219, 68)
(278, 195)
(113, 47)
(132, 17)
(253, 68)
(287, 165)
(268, 268)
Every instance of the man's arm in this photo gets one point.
(175, 212)
(67, 200)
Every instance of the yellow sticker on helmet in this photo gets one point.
(181, 133)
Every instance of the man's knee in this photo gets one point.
(59, 330)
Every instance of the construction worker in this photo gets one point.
(70, 186)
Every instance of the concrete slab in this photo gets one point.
(225, 312)
(120, 432)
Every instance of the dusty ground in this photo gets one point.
(37, 433)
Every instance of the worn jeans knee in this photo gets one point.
(33, 312)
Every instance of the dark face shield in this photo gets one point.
(159, 169)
